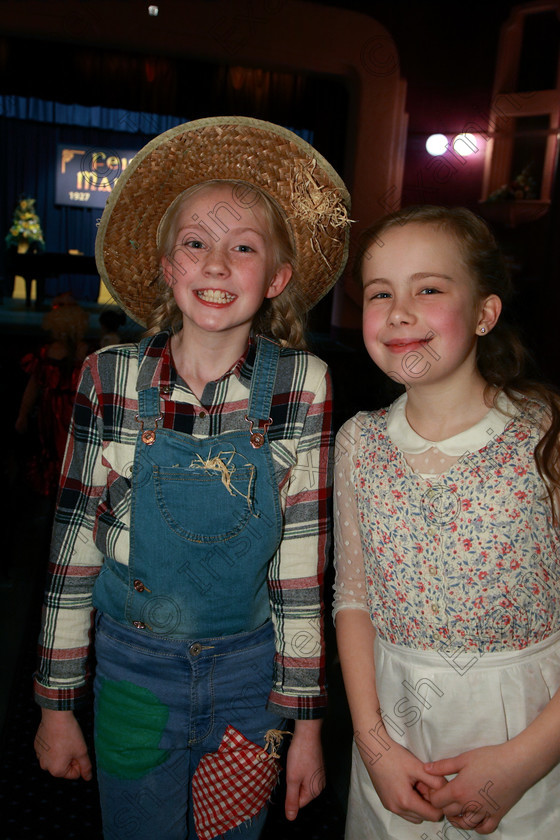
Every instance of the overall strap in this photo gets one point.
(262, 388)
(148, 398)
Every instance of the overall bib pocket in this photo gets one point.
(205, 504)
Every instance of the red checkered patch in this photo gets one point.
(233, 784)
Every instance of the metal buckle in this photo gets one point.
(257, 438)
(148, 436)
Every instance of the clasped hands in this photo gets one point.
(486, 782)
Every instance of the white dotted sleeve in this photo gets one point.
(350, 591)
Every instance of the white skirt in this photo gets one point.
(438, 707)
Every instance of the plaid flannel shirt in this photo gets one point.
(93, 512)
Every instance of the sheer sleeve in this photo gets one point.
(350, 590)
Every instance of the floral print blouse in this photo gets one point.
(467, 558)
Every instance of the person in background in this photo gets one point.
(49, 395)
(110, 321)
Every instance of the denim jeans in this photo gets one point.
(160, 705)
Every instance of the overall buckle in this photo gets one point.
(258, 437)
(148, 436)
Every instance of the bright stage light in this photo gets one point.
(436, 144)
(465, 145)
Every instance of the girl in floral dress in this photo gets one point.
(447, 541)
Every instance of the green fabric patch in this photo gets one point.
(129, 724)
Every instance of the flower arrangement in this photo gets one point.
(523, 186)
(26, 227)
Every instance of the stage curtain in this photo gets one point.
(30, 130)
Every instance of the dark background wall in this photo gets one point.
(447, 55)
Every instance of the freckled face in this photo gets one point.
(421, 309)
(221, 266)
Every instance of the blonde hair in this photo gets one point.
(282, 317)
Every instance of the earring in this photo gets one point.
(482, 330)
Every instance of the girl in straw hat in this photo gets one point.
(192, 517)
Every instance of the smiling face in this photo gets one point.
(221, 263)
(422, 312)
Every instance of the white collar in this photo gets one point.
(470, 440)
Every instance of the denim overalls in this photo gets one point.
(184, 641)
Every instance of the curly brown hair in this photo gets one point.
(501, 356)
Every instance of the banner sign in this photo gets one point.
(86, 176)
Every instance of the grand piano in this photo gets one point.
(40, 265)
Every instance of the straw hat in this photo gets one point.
(312, 196)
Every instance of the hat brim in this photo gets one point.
(312, 196)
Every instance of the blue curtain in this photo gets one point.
(30, 130)
(113, 119)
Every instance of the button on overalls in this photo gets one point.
(184, 641)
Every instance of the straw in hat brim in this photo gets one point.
(310, 193)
